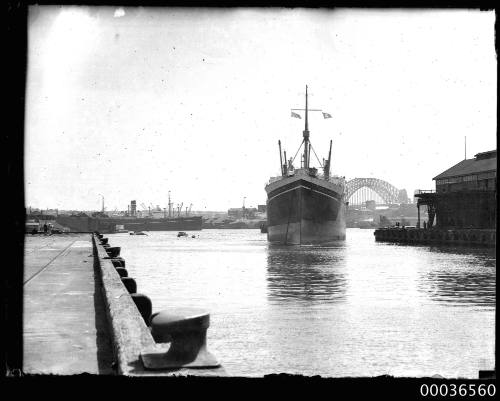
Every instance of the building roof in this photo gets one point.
(482, 162)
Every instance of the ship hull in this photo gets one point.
(302, 211)
(109, 225)
(145, 224)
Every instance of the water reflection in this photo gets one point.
(486, 253)
(464, 276)
(310, 274)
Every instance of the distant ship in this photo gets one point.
(156, 224)
(304, 206)
(131, 222)
(125, 224)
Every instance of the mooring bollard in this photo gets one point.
(113, 251)
(118, 262)
(129, 284)
(186, 328)
(144, 306)
(122, 271)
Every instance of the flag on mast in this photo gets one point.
(296, 115)
(326, 115)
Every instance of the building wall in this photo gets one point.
(467, 200)
(466, 209)
(473, 182)
(240, 212)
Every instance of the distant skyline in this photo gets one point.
(131, 103)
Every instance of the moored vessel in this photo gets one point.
(134, 221)
(306, 206)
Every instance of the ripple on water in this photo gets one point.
(359, 308)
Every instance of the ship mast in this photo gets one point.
(306, 156)
(306, 138)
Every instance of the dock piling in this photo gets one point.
(467, 237)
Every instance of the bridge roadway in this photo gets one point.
(64, 322)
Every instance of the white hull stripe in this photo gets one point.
(301, 186)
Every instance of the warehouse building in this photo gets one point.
(465, 195)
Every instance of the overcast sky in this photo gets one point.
(132, 103)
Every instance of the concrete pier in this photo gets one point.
(130, 336)
(78, 316)
(466, 237)
(65, 328)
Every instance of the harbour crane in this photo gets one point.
(102, 208)
(169, 205)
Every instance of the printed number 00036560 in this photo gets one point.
(454, 390)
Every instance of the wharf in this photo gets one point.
(467, 237)
(65, 329)
(78, 317)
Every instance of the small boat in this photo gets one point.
(137, 233)
(181, 234)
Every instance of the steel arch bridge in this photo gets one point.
(389, 193)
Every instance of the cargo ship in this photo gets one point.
(132, 221)
(111, 224)
(306, 206)
(156, 224)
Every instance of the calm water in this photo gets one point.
(357, 309)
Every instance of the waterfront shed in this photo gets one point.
(465, 195)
